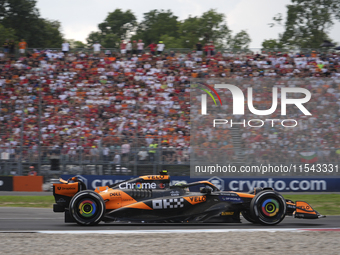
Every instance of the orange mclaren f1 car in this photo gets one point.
(150, 199)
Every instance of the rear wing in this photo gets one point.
(64, 191)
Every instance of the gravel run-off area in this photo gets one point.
(308, 242)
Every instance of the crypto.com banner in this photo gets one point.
(302, 184)
(283, 126)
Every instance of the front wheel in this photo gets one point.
(87, 207)
(268, 207)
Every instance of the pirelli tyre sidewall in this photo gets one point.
(246, 214)
(87, 208)
(268, 207)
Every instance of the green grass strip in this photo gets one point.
(27, 201)
(326, 204)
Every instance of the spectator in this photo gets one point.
(129, 48)
(134, 47)
(72, 153)
(11, 48)
(152, 151)
(6, 47)
(125, 151)
(96, 48)
(106, 153)
(152, 47)
(142, 155)
(94, 152)
(140, 46)
(199, 48)
(22, 47)
(123, 47)
(166, 157)
(32, 171)
(65, 47)
(117, 162)
(108, 53)
(92, 100)
(206, 50)
(160, 47)
(211, 48)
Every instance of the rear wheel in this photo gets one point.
(87, 207)
(268, 208)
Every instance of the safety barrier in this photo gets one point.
(21, 183)
(304, 184)
(6, 183)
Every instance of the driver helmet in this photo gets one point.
(181, 183)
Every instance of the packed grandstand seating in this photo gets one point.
(113, 107)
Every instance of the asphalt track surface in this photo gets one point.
(37, 219)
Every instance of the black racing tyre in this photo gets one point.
(268, 207)
(247, 216)
(87, 207)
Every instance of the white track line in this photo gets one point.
(171, 231)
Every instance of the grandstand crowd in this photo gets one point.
(136, 105)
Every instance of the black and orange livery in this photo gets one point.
(151, 199)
